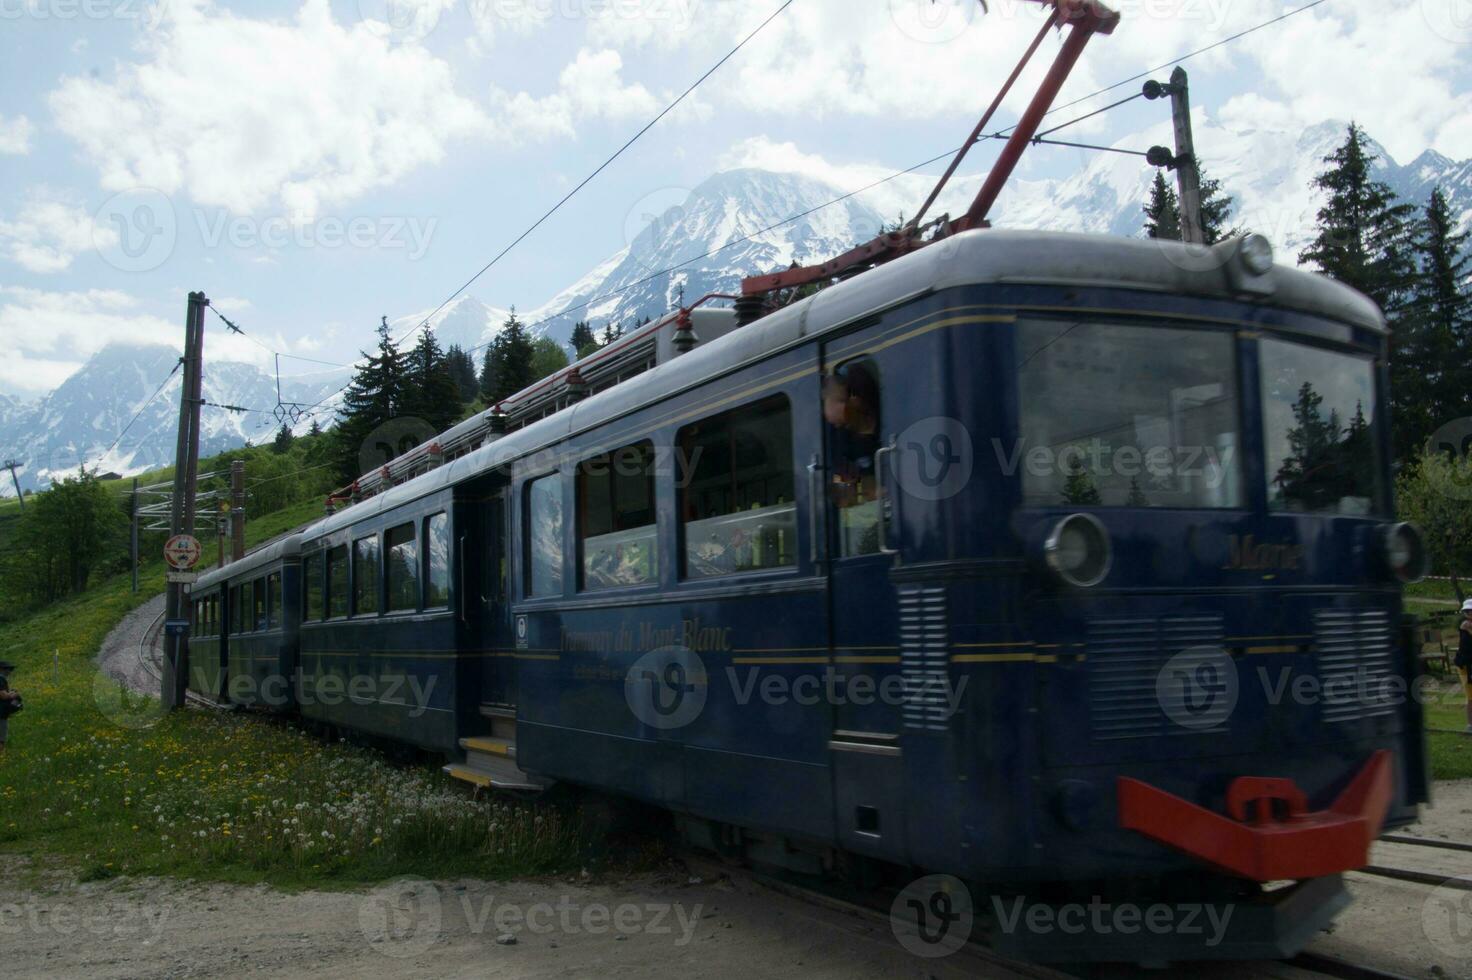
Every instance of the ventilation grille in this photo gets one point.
(1125, 660)
(923, 656)
(1356, 659)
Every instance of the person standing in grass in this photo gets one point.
(10, 702)
(1463, 662)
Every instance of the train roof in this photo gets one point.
(287, 546)
(971, 258)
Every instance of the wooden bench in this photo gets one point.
(1432, 634)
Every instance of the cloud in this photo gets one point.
(254, 114)
(591, 86)
(15, 136)
(48, 233)
(50, 334)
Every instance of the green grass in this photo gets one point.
(104, 784)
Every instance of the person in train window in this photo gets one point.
(851, 408)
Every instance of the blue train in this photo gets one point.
(1061, 564)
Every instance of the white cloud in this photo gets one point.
(250, 114)
(591, 86)
(48, 233)
(15, 136)
(50, 334)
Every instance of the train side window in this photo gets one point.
(215, 614)
(273, 600)
(401, 561)
(312, 587)
(247, 620)
(258, 605)
(737, 505)
(337, 581)
(437, 561)
(616, 527)
(542, 531)
(851, 411)
(234, 609)
(365, 576)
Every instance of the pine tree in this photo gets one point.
(1364, 240)
(284, 438)
(583, 342)
(375, 395)
(1163, 213)
(1216, 209)
(462, 369)
(430, 392)
(508, 363)
(1364, 232)
(611, 332)
(315, 430)
(1442, 307)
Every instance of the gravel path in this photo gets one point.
(118, 657)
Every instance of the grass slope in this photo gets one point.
(105, 783)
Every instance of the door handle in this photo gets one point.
(815, 494)
(464, 597)
(881, 456)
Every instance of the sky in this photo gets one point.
(312, 165)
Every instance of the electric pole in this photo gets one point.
(133, 535)
(237, 509)
(181, 514)
(11, 464)
(1187, 177)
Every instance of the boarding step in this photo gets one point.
(494, 772)
(489, 745)
(503, 719)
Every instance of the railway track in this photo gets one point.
(1423, 861)
(151, 657)
(869, 911)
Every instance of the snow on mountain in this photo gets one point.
(465, 321)
(726, 207)
(81, 419)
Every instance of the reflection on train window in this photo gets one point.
(337, 581)
(543, 534)
(273, 600)
(258, 605)
(616, 518)
(365, 575)
(401, 559)
(247, 607)
(437, 558)
(851, 411)
(1319, 418)
(235, 608)
(736, 501)
(312, 585)
(1126, 416)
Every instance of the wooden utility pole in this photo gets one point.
(1187, 176)
(237, 509)
(11, 464)
(181, 514)
(133, 521)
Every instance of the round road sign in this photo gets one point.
(182, 551)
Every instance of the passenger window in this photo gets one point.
(437, 561)
(402, 563)
(337, 581)
(851, 411)
(616, 518)
(273, 600)
(235, 609)
(543, 535)
(247, 621)
(258, 606)
(312, 587)
(737, 505)
(365, 576)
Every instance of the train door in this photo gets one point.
(862, 407)
(485, 548)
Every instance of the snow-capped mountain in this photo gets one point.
(81, 419)
(1268, 172)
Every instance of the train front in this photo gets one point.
(1221, 700)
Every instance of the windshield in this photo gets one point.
(1319, 414)
(1125, 416)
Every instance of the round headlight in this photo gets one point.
(1405, 552)
(1078, 550)
(1256, 254)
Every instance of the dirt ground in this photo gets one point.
(648, 926)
